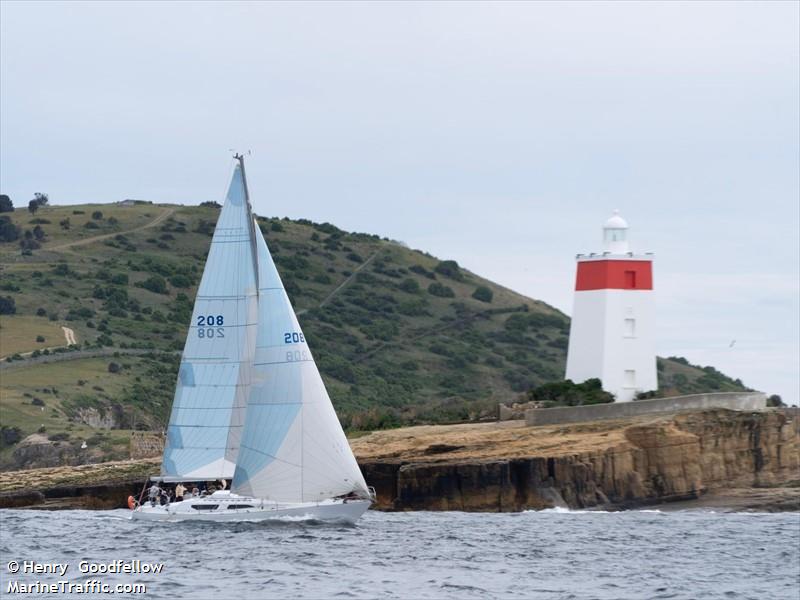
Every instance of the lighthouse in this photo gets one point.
(612, 336)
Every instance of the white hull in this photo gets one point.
(227, 507)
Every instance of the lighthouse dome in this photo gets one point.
(615, 235)
(616, 222)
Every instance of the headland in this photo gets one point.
(717, 458)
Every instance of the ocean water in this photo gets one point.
(548, 554)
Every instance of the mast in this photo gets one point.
(251, 217)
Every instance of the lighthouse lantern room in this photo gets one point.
(612, 336)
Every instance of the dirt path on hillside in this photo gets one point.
(69, 335)
(343, 284)
(164, 215)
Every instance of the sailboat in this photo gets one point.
(250, 405)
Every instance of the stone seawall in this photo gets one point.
(622, 410)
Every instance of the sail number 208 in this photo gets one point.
(210, 326)
(295, 338)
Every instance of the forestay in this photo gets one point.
(214, 378)
(293, 448)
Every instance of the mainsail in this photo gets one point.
(293, 448)
(214, 378)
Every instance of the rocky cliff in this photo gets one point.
(508, 466)
(747, 460)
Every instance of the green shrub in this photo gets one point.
(338, 367)
(181, 281)
(568, 393)
(483, 293)
(61, 269)
(7, 305)
(442, 291)
(155, 284)
(9, 435)
(9, 231)
(355, 257)
(414, 308)
(775, 401)
(410, 286)
(419, 269)
(40, 338)
(450, 268)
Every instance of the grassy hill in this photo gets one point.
(401, 337)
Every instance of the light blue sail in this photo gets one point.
(213, 383)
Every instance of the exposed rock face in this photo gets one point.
(96, 419)
(727, 457)
(36, 451)
(103, 485)
(644, 461)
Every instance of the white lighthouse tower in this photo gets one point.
(612, 336)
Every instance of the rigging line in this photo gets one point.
(272, 456)
(284, 362)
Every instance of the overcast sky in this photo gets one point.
(501, 135)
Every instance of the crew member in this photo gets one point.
(154, 493)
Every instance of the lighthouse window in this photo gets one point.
(630, 280)
(630, 379)
(615, 235)
(630, 328)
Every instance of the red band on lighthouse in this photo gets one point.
(614, 275)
